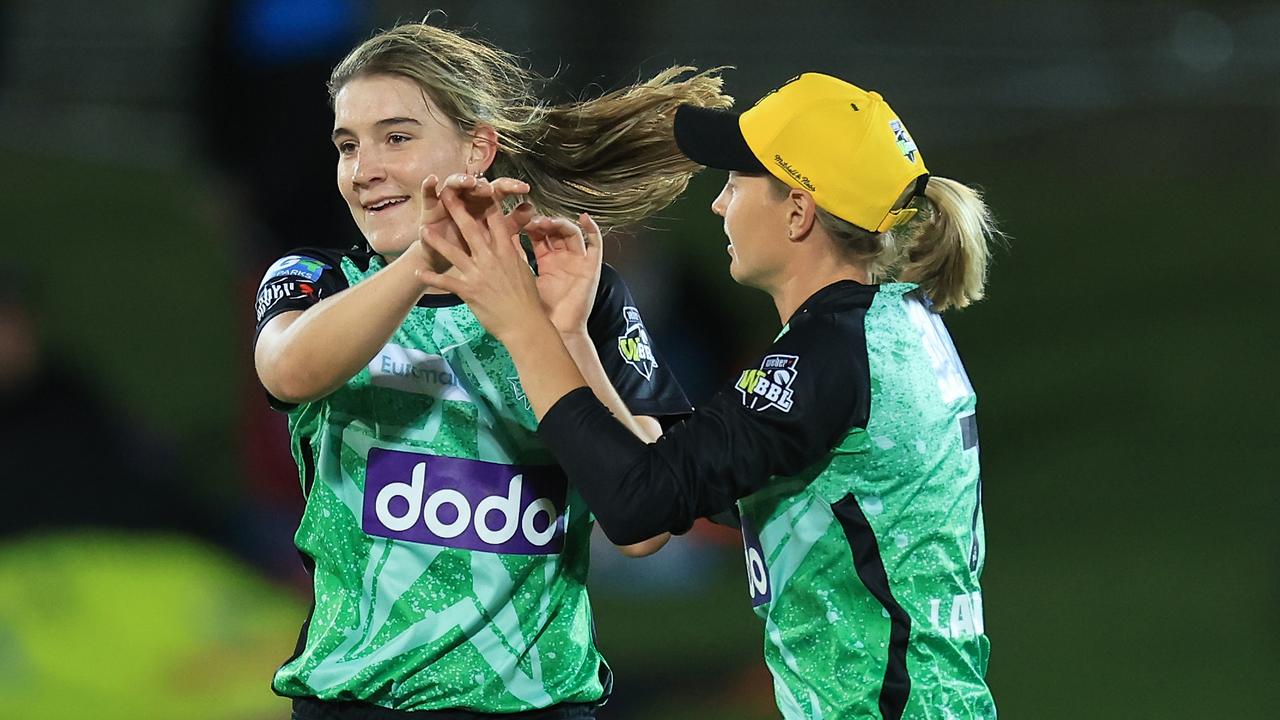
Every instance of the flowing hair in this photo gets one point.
(613, 156)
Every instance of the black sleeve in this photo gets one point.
(629, 355)
(297, 281)
(782, 415)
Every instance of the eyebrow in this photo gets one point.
(381, 123)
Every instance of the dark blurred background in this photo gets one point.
(158, 155)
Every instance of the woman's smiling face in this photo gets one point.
(390, 137)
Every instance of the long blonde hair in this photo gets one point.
(944, 249)
(613, 156)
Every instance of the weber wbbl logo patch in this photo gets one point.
(769, 386)
(634, 346)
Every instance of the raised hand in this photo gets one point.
(476, 196)
(489, 269)
(568, 257)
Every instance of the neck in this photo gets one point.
(417, 250)
(800, 284)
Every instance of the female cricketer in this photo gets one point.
(849, 448)
(449, 554)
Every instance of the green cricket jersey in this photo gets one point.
(851, 449)
(449, 555)
(899, 629)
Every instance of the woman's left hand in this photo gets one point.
(568, 257)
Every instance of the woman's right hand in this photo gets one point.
(489, 269)
(479, 197)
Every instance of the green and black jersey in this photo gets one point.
(850, 450)
(448, 552)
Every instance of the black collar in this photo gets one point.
(439, 300)
(838, 296)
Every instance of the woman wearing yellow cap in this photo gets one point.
(849, 448)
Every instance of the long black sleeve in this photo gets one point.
(780, 417)
(631, 359)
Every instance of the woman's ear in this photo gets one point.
(482, 149)
(801, 211)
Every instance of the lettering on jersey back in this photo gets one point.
(468, 504)
(414, 371)
(959, 616)
(953, 382)
(757, 571)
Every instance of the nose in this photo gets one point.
(368, 168)
(721, 203)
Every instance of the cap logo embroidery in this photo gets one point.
(802, 179)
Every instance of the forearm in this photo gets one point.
(327, 344)
(583, 352)
(624, 482)
(547, 370)
(696, 469)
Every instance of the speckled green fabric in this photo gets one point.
(913, 473)
(414, 625)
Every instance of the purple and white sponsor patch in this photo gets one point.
(469, 504)
(757, 571)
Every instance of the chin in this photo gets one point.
(388, 245)
(744, 279)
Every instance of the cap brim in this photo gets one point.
(713, 138)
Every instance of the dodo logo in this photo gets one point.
(469, 504)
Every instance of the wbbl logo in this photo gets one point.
(634, 345)
(770, 386)
(468, 504)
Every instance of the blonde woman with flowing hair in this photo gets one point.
(848, 449)
(448, 552)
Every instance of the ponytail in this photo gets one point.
(946, 253)
(943, 249)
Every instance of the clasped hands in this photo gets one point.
(474, 252)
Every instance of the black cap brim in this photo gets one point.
(713, 138)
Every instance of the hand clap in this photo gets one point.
(478, 196)
(490, 272)
(465, 227)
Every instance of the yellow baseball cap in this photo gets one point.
(843, 144)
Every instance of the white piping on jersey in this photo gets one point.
(791, 709)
